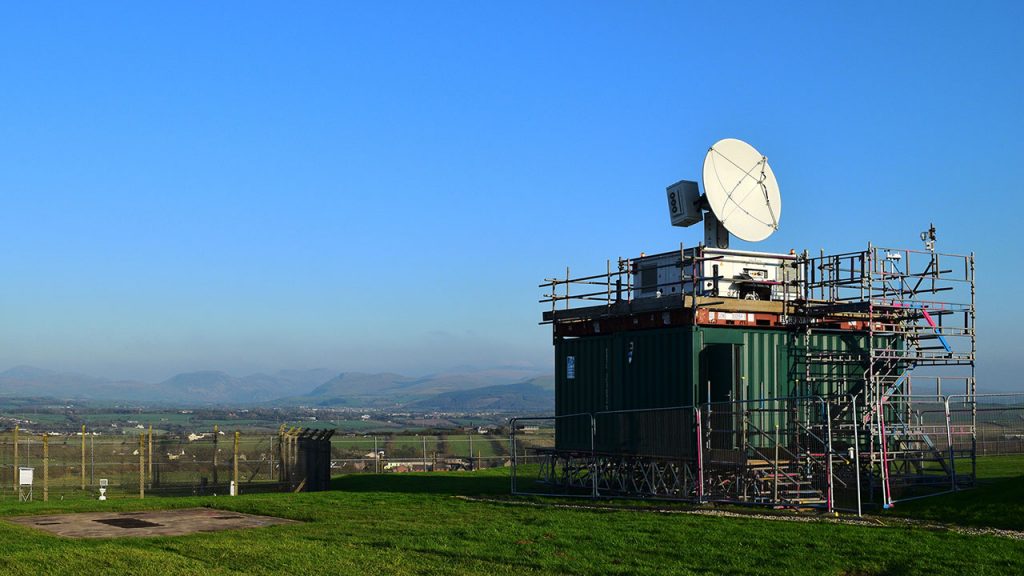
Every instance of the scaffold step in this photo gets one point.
(817, 500)
(784, 475)
(753, 462)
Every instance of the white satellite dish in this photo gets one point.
(741, 191)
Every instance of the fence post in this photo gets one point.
(974, 429)
(883, 440)
(743, 434)
(83, 458)
(856, 450)
(142, 466)
(216, 434)
(512, 449)
(593, 456)
(14, 469)
(285, 463)
(700, 456)
(280, 453)
(149, 456)
(775, 482)
(830, 505)
(949, 440)
(293, 450)
(288, 452)
(235, 463)
(46, 467)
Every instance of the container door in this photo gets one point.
(721, 386)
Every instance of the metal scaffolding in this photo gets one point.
(917, 309)
(885, 412)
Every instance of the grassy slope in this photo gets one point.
(998, 502)
(996, 467)
(412, 524)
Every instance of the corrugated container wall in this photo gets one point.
(675, 367)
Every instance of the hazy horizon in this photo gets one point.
(163, 376)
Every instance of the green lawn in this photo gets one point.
(459, 445)
(994, 467)
(998, 502)
(415, 524)
(353, 445)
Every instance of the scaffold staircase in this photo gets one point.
(917, 309)
(787, 483)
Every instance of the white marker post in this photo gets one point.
(25, 484)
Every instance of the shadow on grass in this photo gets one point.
(451, 483)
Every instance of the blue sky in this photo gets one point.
(252, 186)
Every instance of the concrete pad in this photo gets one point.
(145, 523)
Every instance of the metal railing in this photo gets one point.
(685, 272)
(797, 452)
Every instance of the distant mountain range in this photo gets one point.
(532, 396)
(493, 389)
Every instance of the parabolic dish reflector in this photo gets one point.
(741, 190)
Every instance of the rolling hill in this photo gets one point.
(466, 389)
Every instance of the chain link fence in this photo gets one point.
(801, 452)
(135, 464)
(1000, 422)
(806, 452)
(204, 463)
(428, 452)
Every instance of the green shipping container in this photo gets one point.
(678, 367)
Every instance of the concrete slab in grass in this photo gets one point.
(145, 523)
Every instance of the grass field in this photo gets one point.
(91, 418)
(421, 524)
(364, 426)
(402, 446)
(997, 503)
